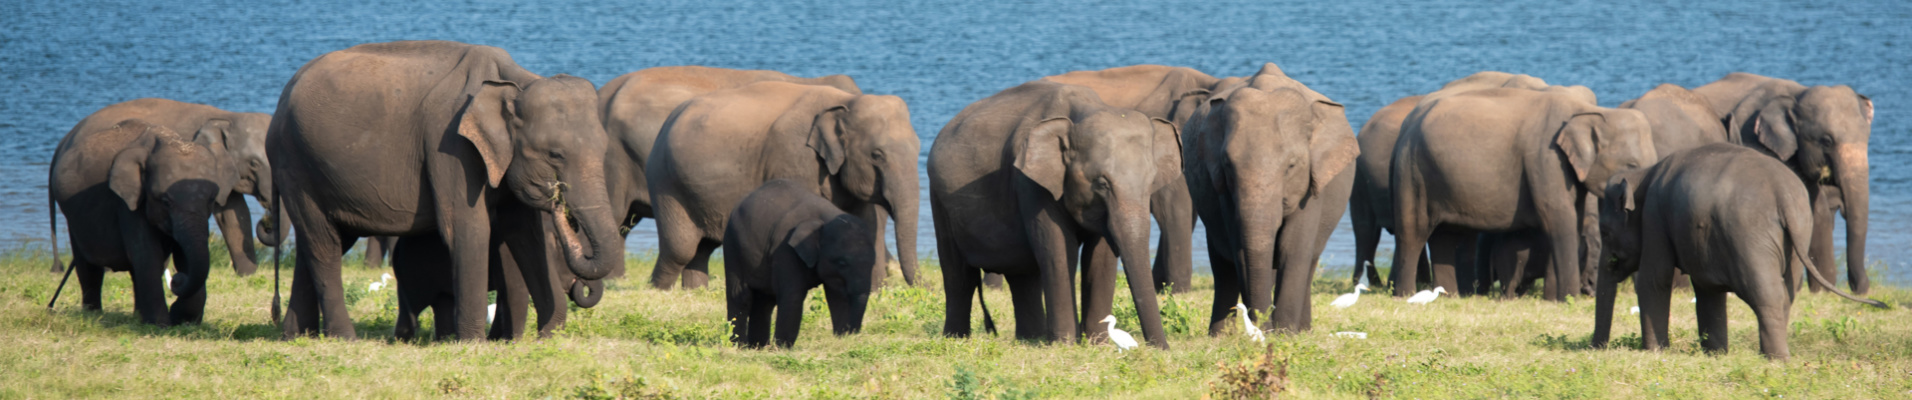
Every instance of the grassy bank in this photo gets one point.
(672, 345)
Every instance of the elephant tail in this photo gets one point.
(53, 230)
(1799, 238)
(277, 243)
(989, 324)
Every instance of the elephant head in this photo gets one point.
(1823, 133)
(242, 136)
(175, 185)
(842, 253)
(1100, 165)
(544, 143)
(1268, 151)
(1619, 245)
(1600, 142)
(867, 144)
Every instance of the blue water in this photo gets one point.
(60, 60)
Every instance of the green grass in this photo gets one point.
(643, 343)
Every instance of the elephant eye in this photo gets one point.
(557, 155)
(876, 155)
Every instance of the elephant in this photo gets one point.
(376, 248)
(1516, 261)
(1506, 159)
(783, 240)
(1680, 119)
(1729, 216)
(1172, 94)
(418, 264)
(1371, 210)
(134, 194)
(1269, 162)
(417, 137)
(241, 135)
(1822, 132)
(859, 151)
(1033, 179)
(635, 106)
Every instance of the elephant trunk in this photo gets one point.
(846, 311)
(580, 296)
(903, 200)
(1260, 217)
(191, 234)
(1603, 302)
(601, 250)
(1129, 232)
(1853, 176)
(272, 228)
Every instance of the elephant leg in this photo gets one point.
(1444, 250)
(677, 240)
(1590, 244)
(471, 248)
(789, 317)
(1367, 237)
(1652, 284)
(1822, 245)
(761, 305)
(444, 318)
(91, 277)
(1771, 309)
(190, 308)
(513, 296)
(1055, 249)
(235, 226)
(1026, 296)
(1173, 269)
(1563, 236)
(1228, 280)
(302, 304)
(697, 273)
(1098, 288)
(149, 290)
(1297, 252)
(737, 308)
(375, 249)
(405, 324)
(877, 217)
(1710, 307)
(992, 280)
(1408, 244)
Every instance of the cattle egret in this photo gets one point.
(1427, 296)
(1347, 300)
(168, 280)
(1352, 335)
(1248, 327)
(1635, 310)
(491, 311)
(1121, 339)
(376, 286)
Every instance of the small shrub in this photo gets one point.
(456, 384)
(604, 387)
(966, 385)
(1264, 378)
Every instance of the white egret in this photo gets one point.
(1121, 339)
(168, 280)
(376, 286)
(1347, 300)
(1636, 309)
(1248, 327)
(1352, 335)
(491, 311)
(1427, 296)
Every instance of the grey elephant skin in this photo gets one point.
(135, 194)
(1731, 218)
(1269, 162)
(1372, 210)
(242, 137)
(1031, 182)
(525, 277)
(782, 241)
(410, 138)
(635, 106)
(859, 151)
(1171, 94)
(1501, 160)
(1822, 133)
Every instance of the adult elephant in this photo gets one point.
(635, 106)
(1680, 119)
(418, 137)
(1024, 181)
(1268, 162)
(1822, 132)
(1372, 210)
(1171, 94)
(859, 151)
(1505, 160)
(134, 195)
(242, 136)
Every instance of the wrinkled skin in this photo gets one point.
(635, 107)
(1033, 180)
(859, 151)
(1822, 133)
(1171, 94)
(1728, 216)
(1372, 210)
(1270, 164)
(1506, 160)
(782, 241)
(412, 138)
(135, 194)
(242, 136)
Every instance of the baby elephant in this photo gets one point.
(783, 240)
(1732, 218)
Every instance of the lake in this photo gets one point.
(64, 60)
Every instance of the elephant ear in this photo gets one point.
(1865, 107)
(1332, 148)
(805, 242)
(1040, 154)
(128, 174)
(490, 116)
(1576, 142)
(1168, 151)
(1774, 128)
(826, 139)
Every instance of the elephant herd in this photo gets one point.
(479, 176)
